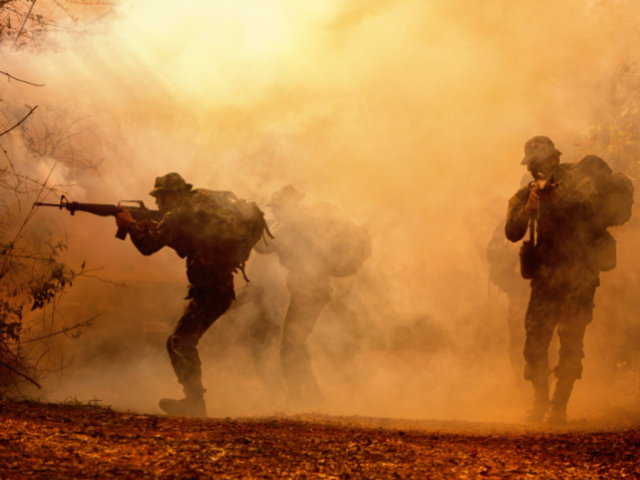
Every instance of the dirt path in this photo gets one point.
(62, 441)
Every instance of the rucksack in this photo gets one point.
(343, 245)
(227, 227)
(615, 191)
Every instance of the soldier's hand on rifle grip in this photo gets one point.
(124, 218)
(534, 200)
(553, 196)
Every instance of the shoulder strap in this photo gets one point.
(532, 230)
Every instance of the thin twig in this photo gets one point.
(8, 159)
(8, 253)
(17, 124)
(65, 10)
(64, 330)
(84, 273)
(21, 374)
(26, 178)
(94, 3)
(23, 81)
(23, 23)
(46, 352)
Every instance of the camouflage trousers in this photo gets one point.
(204, 308)
(300, 320)
(265, 335)
(568, 306)
(515, 313)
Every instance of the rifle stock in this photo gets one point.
(107, 210)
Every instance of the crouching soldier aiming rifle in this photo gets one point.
(570, 206)
(214, 232)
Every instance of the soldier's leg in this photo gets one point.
(265, 336)
(515, 318)
(199, 314)
(299, 322)
(540, 321)
(576, 315)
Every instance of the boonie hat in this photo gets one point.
(286, 194)
(171, 182)
(539, 148)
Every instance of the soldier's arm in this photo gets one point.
(148, 238)
(264, 247)
(267, 246)
(517, 218)
(145, 239)
(499, 252)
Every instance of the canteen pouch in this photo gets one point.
(528, 259)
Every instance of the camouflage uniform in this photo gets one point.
(310, 292)
(265, 333)
(309, 295)
(211, 289)
(310, 289)
(564, 284)
(566, 276)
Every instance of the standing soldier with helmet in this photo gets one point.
(569, 210)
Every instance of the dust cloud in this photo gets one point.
(410, 116)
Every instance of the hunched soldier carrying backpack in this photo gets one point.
(313, 243)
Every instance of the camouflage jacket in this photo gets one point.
(297, 245)
(566, 229)
(181, 229)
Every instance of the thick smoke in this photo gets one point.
(409, 116)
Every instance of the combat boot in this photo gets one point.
(540, 401)
(561, 394)
(192, 405)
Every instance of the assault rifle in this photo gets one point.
(106, 210)
(529, 259)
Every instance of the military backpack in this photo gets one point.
(226, 227)
(614, 189)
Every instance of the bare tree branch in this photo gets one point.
(92, 2)
(23, 23)
(32, 274)
(21, 374)
(17, 124)
(23, 81)
(31, 212)
(64, 330)
(8, 159)
(65, 10)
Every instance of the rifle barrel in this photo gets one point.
(105, 209)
